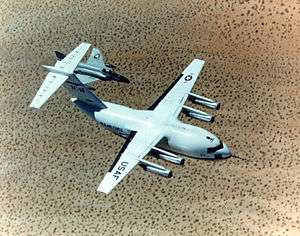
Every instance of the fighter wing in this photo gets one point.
(52, 82)
(70, 62)
(136, 147)
(96, 59)
(170, 103)
(59, 74)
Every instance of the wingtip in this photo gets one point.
(198, 60)
(34, 106)
(105, 186)
(101, 189)
(86, 43)
(33, 109)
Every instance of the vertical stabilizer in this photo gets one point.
(83, 94)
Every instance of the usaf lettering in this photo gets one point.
(120, 169)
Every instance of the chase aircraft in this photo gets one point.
(156, 131)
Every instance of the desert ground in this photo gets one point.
(52, 160)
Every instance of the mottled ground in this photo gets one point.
(53, 160)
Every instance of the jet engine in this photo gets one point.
(155, 168)
(204, 101)
(200, 115)
(168, 156)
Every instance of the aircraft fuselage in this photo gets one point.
(180, 138)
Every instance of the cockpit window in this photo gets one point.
(216, 148)
(210, 138)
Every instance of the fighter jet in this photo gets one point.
(155, 131)
(95, 68)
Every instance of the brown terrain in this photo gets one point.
(52, 161)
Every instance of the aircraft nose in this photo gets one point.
(226, 151)
(223, 153)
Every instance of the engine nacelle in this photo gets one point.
(204, 101)
(168, 156)
(156, 169)
(200, 115)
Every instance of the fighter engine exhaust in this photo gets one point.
(200, 115)
(156, 169)
(204, 101)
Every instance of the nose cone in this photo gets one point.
(223, 153)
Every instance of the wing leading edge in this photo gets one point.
(133, 151)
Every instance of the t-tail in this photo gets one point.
(62, 74)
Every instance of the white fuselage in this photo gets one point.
(178, 137)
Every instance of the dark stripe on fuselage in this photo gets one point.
(152, 107)
(76, 84)
(128, 140)
(90, 74)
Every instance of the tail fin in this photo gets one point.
(82, 95)
(58, 74)
(59, 55)
(96, 59)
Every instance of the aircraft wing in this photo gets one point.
(59, 74)
(136, 147)
(96, 59)
(52, 82)
(70, 62)
(170, 103)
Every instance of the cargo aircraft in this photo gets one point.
(154, 131)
